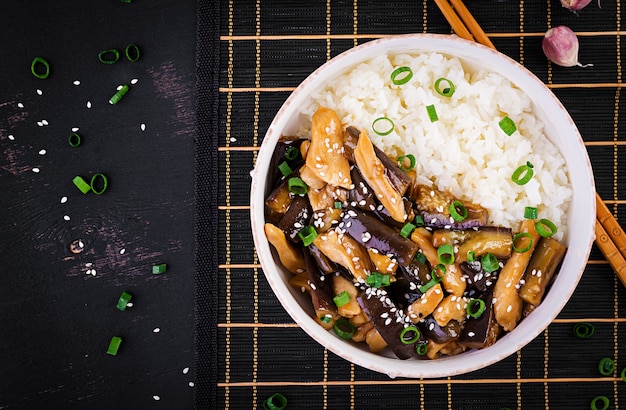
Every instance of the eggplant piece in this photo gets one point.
(383, 214)
(278, 202)
(482, 331)
(278, 157)
(388, 320)
(543, 264)
(362, 195)
(478, 280)
(434, 206)
(323, 263)
(405, 290)
(321, 289)
(373, 233)
(486, 239)
(296, 218)
(439, 334)
(397, 177)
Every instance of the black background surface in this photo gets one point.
(56, 318)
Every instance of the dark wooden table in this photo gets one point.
(58, 308)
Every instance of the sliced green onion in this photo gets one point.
(458, 211)
(338, 205)
(342, 298)
(74, 140)
(275, 402)
(383, 126)
(603, 401)
(307, 235)
(583, 330)
(471, 256)
(377, 280)
(285, 169)
(419, 220)
(421, 348)
(159, 268)
(114, 345)
(325, 318)
(434, 278)
(420, 258)
(606, 366)
(40, 68)
(119, 94)
(545, 228)
(475, 308)
(445, 254)
(445, 90)
(489, 262)
(401, 75)
(623, 374)
(522, 235)
(530, 212)
(81, 184)
(132, 52)
(297, 186)
(292, 153)
(109, 56)
(344, 329)
(407, 229)
(94, 181)
(122, 302)
(413, 332)
(523, 174)
(432, 113)
(402, 160)
(507, 125)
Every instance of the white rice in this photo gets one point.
(465, 152)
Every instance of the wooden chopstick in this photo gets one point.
(610, 236)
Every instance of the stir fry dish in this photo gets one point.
(391, 262)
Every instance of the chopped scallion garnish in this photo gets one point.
(159, 268)
(421, 348)
(489, 262)
(545, 228)
(109, 56)
(471, 256)
(344, 329)
(383, 126)
(122, 302)
(435, 278)
(342, 298)
(285, 169)
(475, 308)
(507, 125)
(444, 87)
(603, 401)
(114, 345)
(99, 179)
(522, 235)
(402, 162)
(445, 254)
(606, 366)
(420, 258)
(292, 153)
(132, 52)
(338, 205)
(458, 211)
(81, 184)
(40, 68)
(530, 212)
(377, 280)
(119, 94)
(297, 186)
(275, 402)
(583, 330)
(74, 140)
(401, 75)
(432, 113)
(407, 229)
(307, 235)
(419, 220)
(523, 174)
(413, 335)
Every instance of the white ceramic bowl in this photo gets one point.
(581, 219)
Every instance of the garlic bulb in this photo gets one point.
(560, 45)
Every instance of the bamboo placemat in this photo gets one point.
(266, 49)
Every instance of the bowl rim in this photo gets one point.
(394, 367)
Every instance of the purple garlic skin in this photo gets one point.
(575, 4)
(560, 45)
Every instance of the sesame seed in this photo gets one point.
(42, 152)
(134, 81)
(157, 398)
(388, 321)
(509, 308)
(64, 200)
(76, 82)
(186, 370)
(431, 326)
(156, 330)
(471, 334)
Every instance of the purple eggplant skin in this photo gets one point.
(383, 214)
(372, 233)
(362, 195)
(477, 279)
(397, 177)
(481, 332)
(277, 202)
(439, 334)
(405, 290)
(325, 265)
(437, 221)
(296, 218)
(388, 320)
(321, 287)
(274, 174)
